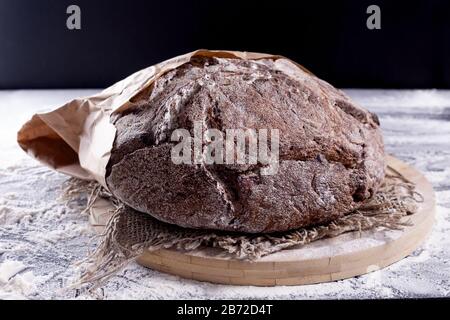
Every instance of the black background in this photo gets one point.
(412, 50)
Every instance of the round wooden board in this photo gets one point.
(345, 256)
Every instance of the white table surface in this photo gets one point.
(41, 238)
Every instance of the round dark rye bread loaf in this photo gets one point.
(331, 155)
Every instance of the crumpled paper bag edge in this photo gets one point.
(76, 139)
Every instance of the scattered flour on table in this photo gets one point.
(41, 238)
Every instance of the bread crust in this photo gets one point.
(331, 156)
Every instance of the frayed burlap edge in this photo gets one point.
(128, 232)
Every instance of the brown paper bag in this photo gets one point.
(77, 138)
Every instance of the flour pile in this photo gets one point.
(16, 282)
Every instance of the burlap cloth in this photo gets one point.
(129, 232)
